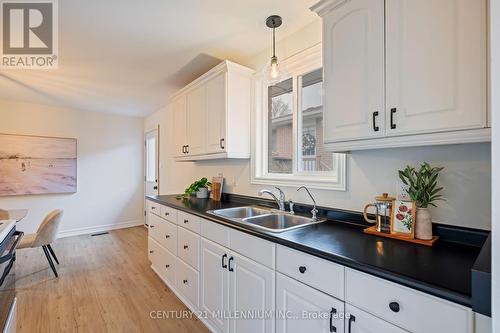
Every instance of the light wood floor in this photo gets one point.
(105, 284)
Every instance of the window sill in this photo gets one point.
(320, 183)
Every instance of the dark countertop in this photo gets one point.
(443, 270)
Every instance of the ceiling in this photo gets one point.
(128, 56)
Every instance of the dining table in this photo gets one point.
(16, 214)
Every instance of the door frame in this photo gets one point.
(146, 132)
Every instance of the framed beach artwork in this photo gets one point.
(403, 221)
(37, 165)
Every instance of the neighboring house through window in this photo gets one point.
(289, 146)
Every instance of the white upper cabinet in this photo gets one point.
(196, 120)
(179, 125)
(404, 73)
(354, 46)
(217, 109)
(436, 57)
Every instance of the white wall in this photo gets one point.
(110, 167)
(467, 177)
(495, 107)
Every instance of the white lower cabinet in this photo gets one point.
(244, 284)
(302, 309)
(214, 284)
(251, 294)
(358, 321)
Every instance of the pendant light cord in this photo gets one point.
(274, 42)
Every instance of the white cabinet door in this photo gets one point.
(179, 126)
(196, 121)
(306, 309)
(251, 294)
(216, 113)
(436, 58)
(353, 52)
(214, 284)
(358, 321)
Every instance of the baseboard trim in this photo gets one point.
(99, 228)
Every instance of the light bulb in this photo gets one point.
(274, 70)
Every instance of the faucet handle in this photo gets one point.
(282, 194)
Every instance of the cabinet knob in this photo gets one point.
(186, 221)
(167, 213)
(185, 281)
(167, 266)
(151, 251)
(167, 236)
(153, 208)
(302, 269)
(151, 226)
(394, 306)
(185, 247)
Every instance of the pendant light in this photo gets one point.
(273, 71)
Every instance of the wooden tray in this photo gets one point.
(373, 231)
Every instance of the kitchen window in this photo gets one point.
(288, 143)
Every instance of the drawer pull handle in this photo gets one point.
(302, 269)
(229, 265)
(167, 214)
(332, 313)
(185, 281)
(351, 320)
(394, 306)
(167, 266)
(224, 256)
(151, 226)
(153, 207)
(185, 247)
(167, 236)
(186, 221)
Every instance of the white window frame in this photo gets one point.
(299, 64)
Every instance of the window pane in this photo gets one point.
(280, 119)
(151, 159)
(314, 157)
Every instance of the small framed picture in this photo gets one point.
(403, 221)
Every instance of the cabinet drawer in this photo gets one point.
(318, 273)
(188, 221)
(358, 321)
(255, 248)
(164, 232)
(187, 281)
(215, 232)
(188, 247)
(168, 213)
(407, 308)
(163, 262)
(153, 207)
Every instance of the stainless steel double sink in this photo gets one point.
(264, 218)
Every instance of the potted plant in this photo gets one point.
(199, 187)
(424, 191)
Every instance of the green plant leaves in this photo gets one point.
(422, 184)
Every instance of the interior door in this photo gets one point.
(252, 293)
(436, 77)
(293, 297)
(151, 159)
(353, 50)
(216, 114)
(196, 125)
(214, 283)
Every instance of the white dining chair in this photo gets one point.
(44, 236)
